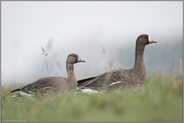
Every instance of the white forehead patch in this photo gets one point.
(149, 38)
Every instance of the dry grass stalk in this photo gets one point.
(44, 53)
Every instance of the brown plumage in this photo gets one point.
(122, 78)
(55, 84)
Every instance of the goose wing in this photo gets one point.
(83, 82)
(40, 84)
(108, 78)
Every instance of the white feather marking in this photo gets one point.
(21, 94)
(114, 83)
(89, 91)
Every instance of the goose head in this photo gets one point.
(144, 40)
(73, 58)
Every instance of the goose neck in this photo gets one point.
(139, 61)
(70, 70)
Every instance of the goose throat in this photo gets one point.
(70, 70)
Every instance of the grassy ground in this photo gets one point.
(159, 100)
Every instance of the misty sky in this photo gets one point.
(81, 27)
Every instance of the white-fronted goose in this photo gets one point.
(54, 84)
(122, 78)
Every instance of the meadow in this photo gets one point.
(160, 99)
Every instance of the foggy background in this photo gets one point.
(103, 33)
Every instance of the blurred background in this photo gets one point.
(102, 33)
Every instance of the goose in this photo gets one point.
(122, 78)
(53, 84)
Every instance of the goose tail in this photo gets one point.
(15, 90)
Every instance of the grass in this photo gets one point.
(159, 100)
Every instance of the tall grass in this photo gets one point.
(159, 100)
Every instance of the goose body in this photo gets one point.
(114, 79)
(122, 78)
(45, 84)
(54, 84)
